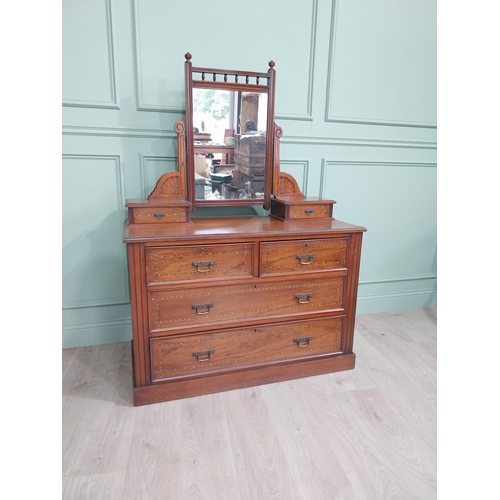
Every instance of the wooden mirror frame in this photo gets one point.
(210, 78)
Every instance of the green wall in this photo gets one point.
(355, 96)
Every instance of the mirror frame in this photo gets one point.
(211, 78)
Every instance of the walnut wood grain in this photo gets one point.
(214, 284)
(302, 256)
(173, 309)
(182, 355)
(203, 263)
(238, 228)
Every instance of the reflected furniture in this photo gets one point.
(220, 303)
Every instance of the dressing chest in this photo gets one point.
(227, 302)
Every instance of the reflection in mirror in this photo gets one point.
(229, 144)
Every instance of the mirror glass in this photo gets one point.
(229, 144)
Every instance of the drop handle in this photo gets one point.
(301, 296)
(309, 212)
(203, 356)
(305, 258)
(202, 307)
(159, 216)
(302, 341)
(204, 264)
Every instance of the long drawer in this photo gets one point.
(302, 256)
(215, 305)
(198, 262)
(182, 355)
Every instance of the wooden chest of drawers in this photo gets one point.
(224, 303)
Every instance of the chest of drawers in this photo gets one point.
(224, 303)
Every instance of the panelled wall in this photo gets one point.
(355, 96)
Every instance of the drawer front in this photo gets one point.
(193, 307)
(302, 256)
(196, 262)
(310, 211)
(158, 215)
(182, 355)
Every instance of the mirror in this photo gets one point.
(229, 144)
(229, 148)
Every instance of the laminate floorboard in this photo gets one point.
(363, 434)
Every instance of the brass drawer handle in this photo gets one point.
(299, 296)
(302, 341)
(202, 306)
(159, 216)
(197, 355)
(305, 259)
(203, 263)
(309, 211)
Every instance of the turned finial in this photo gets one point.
(271, 64)
(188, 56)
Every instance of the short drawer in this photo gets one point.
(183, 355)
(158, 215)
(302, 256)
(301, 208)
(216, 305)
(198, 262)
(310, 211)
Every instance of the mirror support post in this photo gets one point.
(270, 136)
(189, 130)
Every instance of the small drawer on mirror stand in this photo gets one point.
(301, 208)
(159, 213)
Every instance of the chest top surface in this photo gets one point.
(221, 228)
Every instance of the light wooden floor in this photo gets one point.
(369, 433)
